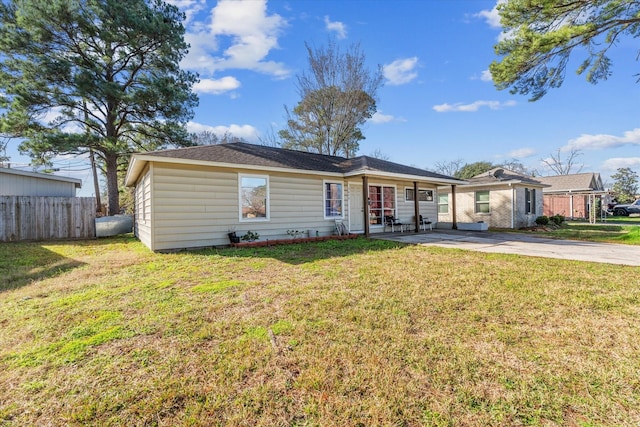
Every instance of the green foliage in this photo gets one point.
(469, 170)
(541, 35)
(625, 186)
(106, 71)
(557, 219)
(338, 96)
(542, 220)
(250, 236)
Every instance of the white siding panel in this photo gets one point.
(17, 185)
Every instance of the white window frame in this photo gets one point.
(395, 202)
(475, 202)
(446, 204)
(324, 199)
(267, 198)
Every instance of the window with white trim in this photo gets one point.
(382, 202)
(333, 199)
(482, 202)
(443, 203)
(253, 197)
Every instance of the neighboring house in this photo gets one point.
(20, 183)
(571, 195)
(500, 198)
(192, 197)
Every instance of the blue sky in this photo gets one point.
(438, 103)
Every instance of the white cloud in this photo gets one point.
(247, 132)
(473, 107)
(249, 32)
(378, 118)
(401, 71)
(491, 17)
(603, 141)
(522, 153)
(485, 76)
(337, 27)
(189, 7)
(216, 86)
(621, 162)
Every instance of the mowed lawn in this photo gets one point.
(340, 333)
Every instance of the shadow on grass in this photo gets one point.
(300, 253)
(22, 263)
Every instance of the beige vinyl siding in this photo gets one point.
(196, 206)
(405, 211)
(143, 222)
(18, 185)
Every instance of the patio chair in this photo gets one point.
(341, 229)
(392, 222)
(424, 222)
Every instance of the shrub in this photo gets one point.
(557, 219)
(542, 220)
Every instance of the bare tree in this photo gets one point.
(338, 95)
(516, 165)
(449, 168)
(207, 137)
(378, 154)
(566, 166)
(271, 138)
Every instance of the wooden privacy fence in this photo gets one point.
(47, 218)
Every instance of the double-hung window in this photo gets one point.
(254, 197)
(482, 202)
(443, 203)
(333, 199)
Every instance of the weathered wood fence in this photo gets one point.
(46, 218)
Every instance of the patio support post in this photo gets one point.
(365, 203)
(416, 206)
(454, 221)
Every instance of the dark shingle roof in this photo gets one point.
(241, 153)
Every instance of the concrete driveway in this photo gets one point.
(522, 244)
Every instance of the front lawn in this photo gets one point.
(609, 232)
(361, 332)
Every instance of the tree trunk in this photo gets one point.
(113, 198)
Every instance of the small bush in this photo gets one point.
(542, 220)
(557, 219)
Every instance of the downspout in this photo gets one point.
(513, 206)
(416, 205)
(454, 221)
(365, 203)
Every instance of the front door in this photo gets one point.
(356, 208)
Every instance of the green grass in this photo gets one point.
(600, 232)
(353, 332)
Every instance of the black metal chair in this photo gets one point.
(392, 222)
(424, 222)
